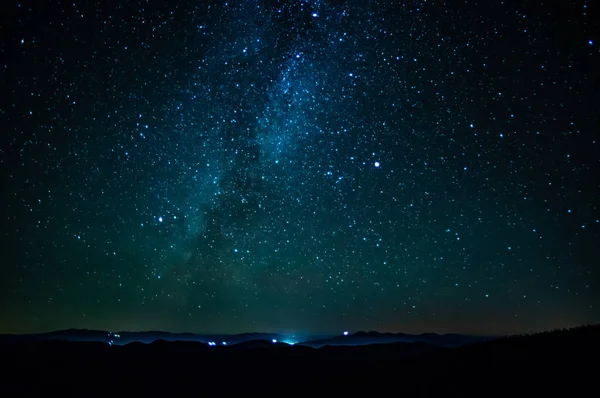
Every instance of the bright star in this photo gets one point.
(377, 164)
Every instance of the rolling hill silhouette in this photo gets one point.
(367, 338)
(359, 338)
(558, 362)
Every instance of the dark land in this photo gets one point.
(558, 362)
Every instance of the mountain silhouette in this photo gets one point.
(556, 363)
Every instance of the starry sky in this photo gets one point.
(299, 166)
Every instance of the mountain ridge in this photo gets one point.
(315, 341)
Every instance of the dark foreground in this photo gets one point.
(561, 362)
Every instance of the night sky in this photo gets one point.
(300, 166)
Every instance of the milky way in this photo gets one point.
(308, 166)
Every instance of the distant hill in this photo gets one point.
(368, 338)
(81, 335)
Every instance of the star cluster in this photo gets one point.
(305, 165)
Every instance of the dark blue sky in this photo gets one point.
(305, 166)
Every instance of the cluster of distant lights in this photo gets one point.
(111, 337)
